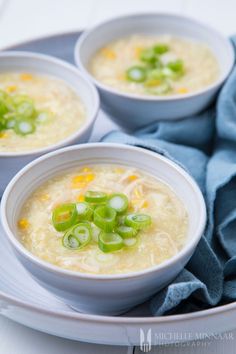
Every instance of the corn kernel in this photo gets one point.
(80, 198)
(3, 135)
(132, 178)
(26, 77)
(145, 204)
(11, 88)
(182, 90)
(23, 224)
(108, 53)
(78, 179)
(89, 177)
(79, 185)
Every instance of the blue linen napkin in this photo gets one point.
(205, 145)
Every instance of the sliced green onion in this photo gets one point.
(2, 124)
(160, 48)
(95, 197)
(24, 126)
(105, 218)
(64, 216)
(83, 233)
(42, 117)
(3, 108)
(119, 202)
(26, 109)
(130, 242)
(84, 211)
(110, 242)
(136, 74)
(70, 241)
(10, 123)
(95, 232)
(176, 66)
(148, 55)
(77, 236)
(126, 231)
(138, 221)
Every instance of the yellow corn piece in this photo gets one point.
(119, 170)
(138, 51)
(89, 177)
(78, 179)
(23, 224)
(108, 53)
(11, 88)
(145, 204)
(132, 178)
(86, 169)
(135, 202)
(80, 198)
(44, 197)
(182, 90)
(26, 77)
(152, 83)
(3, 135)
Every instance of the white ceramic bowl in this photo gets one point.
(11, 162)
(102, 294)
(134, 111)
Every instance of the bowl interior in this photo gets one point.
(46, 65)
(55, 163)
(154, 24)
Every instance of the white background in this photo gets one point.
(26, 19)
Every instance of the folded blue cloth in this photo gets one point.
(205, 145)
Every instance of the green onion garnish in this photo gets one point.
(148, 55)
(64, 216)
(160, 49)
(95, 197)
(84, 211)
(136, 74)
(24, 126)
(105, 218)
(25, 109)
(126, 231)
(119, 202)
(77, 237)
(110, 242)
(138, 221)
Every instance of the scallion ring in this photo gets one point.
(95, 197)
(110, 242)
(24, 126)
(138, 221)
(126, 231)
(119, 202)
(84, 211)
(64, 216)
(104, 217)
(136, 74)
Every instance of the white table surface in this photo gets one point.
(28, 19)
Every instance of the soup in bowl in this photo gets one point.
(45, 103)
(150, 67)
(103, 226)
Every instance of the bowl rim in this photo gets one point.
(46, 266)
(90, 119)
(152, 98)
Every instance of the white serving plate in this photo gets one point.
(24, 301)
